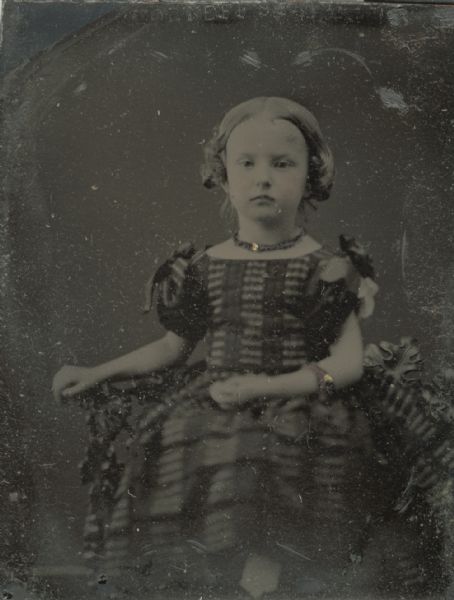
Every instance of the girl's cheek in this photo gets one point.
(233, 199)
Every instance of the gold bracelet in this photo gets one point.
(325, 382)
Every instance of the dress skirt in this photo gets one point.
(287, 478)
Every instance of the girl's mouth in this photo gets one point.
(262, 197)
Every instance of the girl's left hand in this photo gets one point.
(238, 390)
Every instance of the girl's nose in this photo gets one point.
(263, 176)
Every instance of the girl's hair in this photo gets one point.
(321, 164)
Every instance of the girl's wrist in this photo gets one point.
(303, 381)
(100, 373)
(325, 381)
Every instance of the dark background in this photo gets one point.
(103, 137)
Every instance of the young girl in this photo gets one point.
(252, 476)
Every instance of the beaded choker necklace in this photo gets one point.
(254, 247)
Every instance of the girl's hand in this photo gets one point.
(70, 381)
(238, 390)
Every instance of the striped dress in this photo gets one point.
(289, 478)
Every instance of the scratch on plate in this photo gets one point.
(305, 58)
(197, 546)
(404, 255)
(292, 551)
(252, 59)
(160, 56)
(124, 41)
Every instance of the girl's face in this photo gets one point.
(267, 166)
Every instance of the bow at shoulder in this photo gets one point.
(181, 293)
(353, 265)
(170, 276)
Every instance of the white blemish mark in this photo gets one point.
(95, 188)
(158, 112)
(393, 100)
(397, 17)
(81, 88)
(58, 105)
(251, 58)
(305, 58)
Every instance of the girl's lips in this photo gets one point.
(263, 197)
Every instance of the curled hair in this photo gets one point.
(321, 164)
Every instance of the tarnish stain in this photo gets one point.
(305, 58)
(443, 17)
(397, 17)
(393, 100)
(251, 59)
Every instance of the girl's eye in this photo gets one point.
(246, 163)
(283, 164)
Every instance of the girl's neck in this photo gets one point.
(260, 234)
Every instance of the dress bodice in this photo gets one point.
(257, 315)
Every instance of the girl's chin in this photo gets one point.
(267, 215)
(265, 211)
(267, 222)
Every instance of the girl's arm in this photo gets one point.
(344, 364)
(169, 350)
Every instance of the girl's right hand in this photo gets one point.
(70, 381)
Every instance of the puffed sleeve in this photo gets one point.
(182, 301)
(341, 284)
